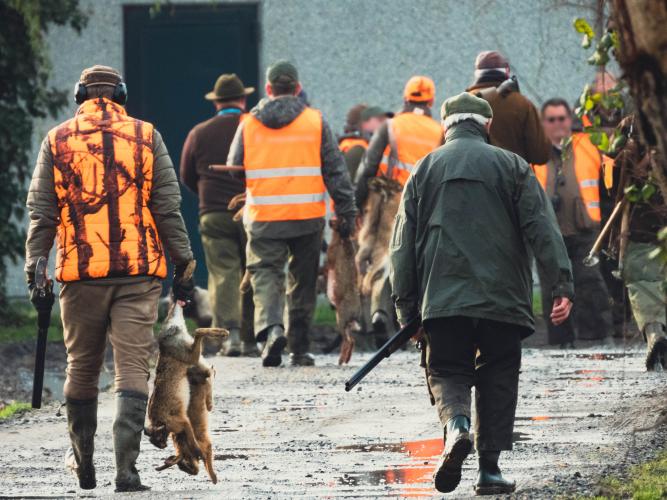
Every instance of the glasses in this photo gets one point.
(553, 119)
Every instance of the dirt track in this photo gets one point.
(294, 432)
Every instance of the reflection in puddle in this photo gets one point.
(412, 476)
(597, 356)
(586, 378)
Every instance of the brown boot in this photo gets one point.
(82, 424)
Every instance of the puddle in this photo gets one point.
(597, 356)
(586, 378)
(54, 383)
(230, 456)
(413, 475)
(220, 430)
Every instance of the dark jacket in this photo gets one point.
(516, 124)
(208, 143)
(371, 162)
(470, 215)
(164, 204)
(278, 113)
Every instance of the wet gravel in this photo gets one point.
(288, 432)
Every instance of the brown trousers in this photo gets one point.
(126, 312)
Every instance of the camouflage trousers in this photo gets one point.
(643, 278)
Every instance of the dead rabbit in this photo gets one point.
(168, 404)
(200, 379)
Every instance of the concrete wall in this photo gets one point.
(350, 51)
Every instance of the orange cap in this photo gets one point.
(419, 89)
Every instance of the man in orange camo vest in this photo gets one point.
(291, 161)
(104, 187)
(571, 179)
(393, 151)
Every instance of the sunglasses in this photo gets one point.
(553, 119)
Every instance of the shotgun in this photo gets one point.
(44, 288)
(399, 339)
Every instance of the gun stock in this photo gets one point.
(44, 287)
(399, 339)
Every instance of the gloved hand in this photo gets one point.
(42, 300)
(345, 227)
(182, 288)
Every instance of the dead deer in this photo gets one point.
(168, 404)
(372, 259)
(343, 291)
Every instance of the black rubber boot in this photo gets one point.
(458, 444)
(82, 424)
(128, 425)
(274, 346)
(490, 480)
(656, 342)
(303, 359)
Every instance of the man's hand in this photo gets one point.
(345, 227)
(182, 288)
(42, 299)
(561, 310)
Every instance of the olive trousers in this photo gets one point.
(464, 352)
(123, 312)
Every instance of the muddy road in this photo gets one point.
(285, 432)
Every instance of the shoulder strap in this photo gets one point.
(393, 149)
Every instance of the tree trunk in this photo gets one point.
(643, 59)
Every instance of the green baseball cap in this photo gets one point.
(467, 103)
(282, 72)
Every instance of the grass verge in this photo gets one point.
(13, 409)
(644, 482)
(23, 325)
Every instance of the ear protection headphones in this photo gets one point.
(119, 95)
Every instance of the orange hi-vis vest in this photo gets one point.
(283, 169)
(348, 143)
(587, 165)
(411, 137)
(103, 172)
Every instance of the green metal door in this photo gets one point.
(172, 59)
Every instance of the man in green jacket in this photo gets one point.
(470, 218)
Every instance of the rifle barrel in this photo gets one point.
(40, 355)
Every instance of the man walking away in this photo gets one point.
(393, 151)
(571, 180)
(223, 239)
(460, 257)
(105, 188)
(360, 124)
(516, 122)
(291, 160)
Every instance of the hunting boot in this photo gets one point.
(301, 359)
(656, 341)
(490, 480)
(249, 349)
(274, 345)
(82, 424)
(127, 429)
(212, 346)
(380, 323)
(457, 447)
(232, 345)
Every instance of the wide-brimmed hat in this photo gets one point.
(228, 86)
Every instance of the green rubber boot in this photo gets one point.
(458, 444)
(128, 425)
(82, 424)
(490, 480)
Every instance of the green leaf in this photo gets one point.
(662, 234)
(633, 194)
(648, 191)
(589, 104)
(586, 41)
(581, 26)
(604, 142)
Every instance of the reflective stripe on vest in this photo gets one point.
(103, 174)
(349, 142)
(415, 136)
(283, 169)
(587, 164)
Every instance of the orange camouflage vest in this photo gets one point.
(103, 172)
(348, 143)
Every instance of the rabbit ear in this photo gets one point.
(169, 462)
